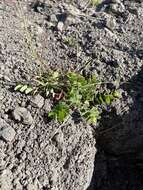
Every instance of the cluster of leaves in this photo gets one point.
(72, 91)
(24, 88)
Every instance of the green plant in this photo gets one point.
(70, 41)
(24, 88)
(95, 2)
(72, 91)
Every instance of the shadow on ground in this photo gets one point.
(119, 161)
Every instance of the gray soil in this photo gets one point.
(37, 154)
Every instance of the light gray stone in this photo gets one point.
(37, 101)
(116, 1)
(47, 105)
(6, 180)
(111, 23)
(58, 139)
(6, 131)
(60, 26)
(53, 18)
(23, 115)
(117, 8)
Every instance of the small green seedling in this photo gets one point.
(72, 92)
(95, 2)
(60, 111)
(24, 88)
(70, 41)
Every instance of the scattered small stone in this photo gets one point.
(58, 139)
(1, 95)
(2, 162)
(47, 105)
(40, 30)
(38, 101)
(116, 1)
(133, 8)
(6, 180)
(7, 133)
(60, 26)
(53, 18)
(50, 25)
(31, 186)
(117, 8)
(110, 23)
(22, 114)
(6, 78)
(72, 10)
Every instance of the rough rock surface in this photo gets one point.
(23, 115)
(6, 131)
(67, 34)
(38, 101)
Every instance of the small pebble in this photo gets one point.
(23, 115)
(7, 133)
(37, 101)
(60, 26)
